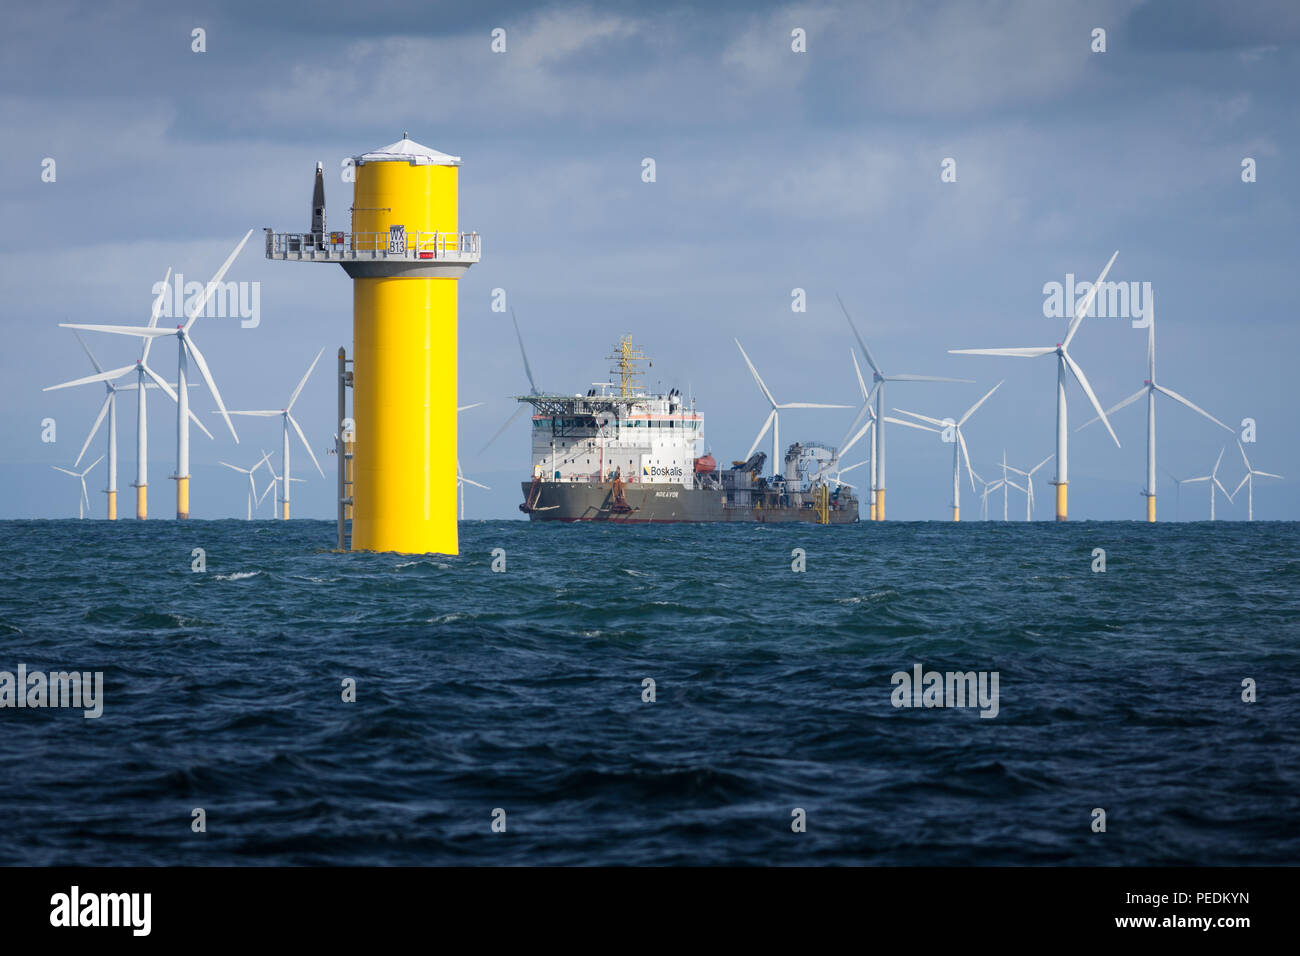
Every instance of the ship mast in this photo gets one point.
(627, 355)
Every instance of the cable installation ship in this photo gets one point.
(621, 454)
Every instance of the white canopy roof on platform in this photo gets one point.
(408, 150)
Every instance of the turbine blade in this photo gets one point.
(900, 421)
(102, 376)
(465, 408)
(1092, 396)
(470, 481)
(1244, 478)
(971, 411)
(211, 287)
(810, 405)
(298, 429)
(1016, 353)
(502, 430)
(99, 420)
(1087, 302)
(141, 331)
(857, 370)
(1265, 474)
(856, 438)
(235, 467)
(757, 378)
(1244, 459)
(763, 431)
(65, 471)
(86, 348)
(863, 412)
(866, 352)
(924, 418)
(202, 365)
(928, 378)
(527, 368)
(160, 382)
(297, 391)
(153, 316)
(1180, 399)
(1116, 407)
(961, 440)
(259, 413)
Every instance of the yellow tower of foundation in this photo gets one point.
(405, 255)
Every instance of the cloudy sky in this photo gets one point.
(775, 170)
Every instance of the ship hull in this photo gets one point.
(657, 503)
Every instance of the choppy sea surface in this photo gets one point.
(522, 691)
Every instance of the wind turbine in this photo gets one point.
(851, 438)
(252, 487)
(110, 408)
(84, 502)
(276, 482)
(1063, 362)
(1029, 480)
(989, 488)
(958, 445)
(1213, 479)
(878, 390)
(1249, 482)
(774, 416)
(1178, 492)
(1149, 389)
(532, 387)
(287, 419)
(186, 349)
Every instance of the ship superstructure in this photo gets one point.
(621, 453)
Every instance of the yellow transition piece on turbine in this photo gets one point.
(404, 339)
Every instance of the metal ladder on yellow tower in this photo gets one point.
(344, 443)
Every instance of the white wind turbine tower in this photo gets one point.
(84, 501)
(1249, 482)
(1029, 480)
(1149, 389)
(958, 445)
(286, 420)
(774, 417)
(252, 486)
(1063, 362)
(186, 349)
(878, 390)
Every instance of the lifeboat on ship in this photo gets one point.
(706, 465)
